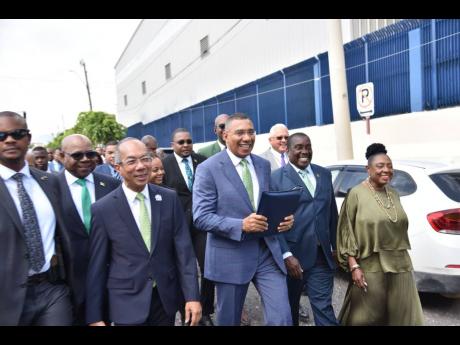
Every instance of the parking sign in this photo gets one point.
(365, 99)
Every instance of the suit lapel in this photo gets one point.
(296, 179)
(260, 176)
(127, 217)
(8, 203)
(155, 207)
(178, 173)
(229, 170)
(70, 209)
(317, 177)
(100, 188)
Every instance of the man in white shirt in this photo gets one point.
(33, 238)
(276, 154)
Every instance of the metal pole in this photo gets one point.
(339, 95)
(87, 84)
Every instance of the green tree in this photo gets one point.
(98, 126)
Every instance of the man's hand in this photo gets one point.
(293, 267)
(255, 223)
(192, 312)
(99, 323)
(287, 224)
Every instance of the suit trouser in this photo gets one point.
(157, 314)
(47, 304)
(206, 286)
(269, 281)
(319, 283)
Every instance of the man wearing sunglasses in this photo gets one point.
(219, 144)
(80, 187)
(180, 169)
(34, 244)
(276, 154)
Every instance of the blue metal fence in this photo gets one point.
(414, 65)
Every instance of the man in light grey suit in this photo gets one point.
(276, 154)
(226, 193)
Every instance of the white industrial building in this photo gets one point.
(172, 64)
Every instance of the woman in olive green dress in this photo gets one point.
(372, 244)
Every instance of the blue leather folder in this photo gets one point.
(276, 206)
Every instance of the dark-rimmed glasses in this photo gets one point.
(183, 141)
(79, 155)
(16, 134)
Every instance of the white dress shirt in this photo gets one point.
(277, 156)
(182, 166)
(134, 204)
(43, 208)
(76, 190)
(255, 182)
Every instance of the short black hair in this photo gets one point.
(112, 143)
(236, 116)
(375, 149)
(294, 136)
(179, 130)
(15, 116)
(39, 148)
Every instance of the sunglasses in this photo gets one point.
(17, 134)
(79, 155)
(182, 142)
(221, 126)
(282, 137)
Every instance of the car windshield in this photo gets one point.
(449, 183)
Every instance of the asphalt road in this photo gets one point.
(438, 310)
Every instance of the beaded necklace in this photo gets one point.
(380, 202)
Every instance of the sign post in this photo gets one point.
(365, 103)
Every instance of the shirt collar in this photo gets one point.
(222, 147)
(276, 153)
(71, 179)
(180, 159)
(131, 195)
(308, 170)
(236, 160)
(6, 173)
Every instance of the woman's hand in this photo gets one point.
(358, 278)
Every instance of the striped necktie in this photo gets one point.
(307, 182)
(144, 221)
(247, 181)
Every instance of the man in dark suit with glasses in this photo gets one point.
(34, 244)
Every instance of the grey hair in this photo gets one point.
(117, 156)
(277, 126)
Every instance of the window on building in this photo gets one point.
(144, 88)
(125, 99)
(204, 46)
(168, 71)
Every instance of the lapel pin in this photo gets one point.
(44, 178)
(158, 197)
(102, 184)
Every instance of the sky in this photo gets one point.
(40, 71)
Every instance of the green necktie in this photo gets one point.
(307, 182)
(85, 203)
(247, 181)
(144, 220)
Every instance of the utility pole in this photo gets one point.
(87, 84)
(339, 94)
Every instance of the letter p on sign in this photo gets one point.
(365, 99)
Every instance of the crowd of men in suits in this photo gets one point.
(88, 244)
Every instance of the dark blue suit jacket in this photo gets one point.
(79, 238)
(220, 202)
(115, 238)
(315, 219)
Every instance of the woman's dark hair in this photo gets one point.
(375, 149)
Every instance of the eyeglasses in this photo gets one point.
(241, 133)
(130, 162)
(79, 155)
(17, 134)
(282, 137)
(182, 142)
(221, 126)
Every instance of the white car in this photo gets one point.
(430, 195)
